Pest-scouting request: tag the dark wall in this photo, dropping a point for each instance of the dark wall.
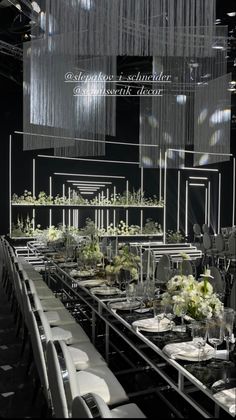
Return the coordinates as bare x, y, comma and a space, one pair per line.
127, 129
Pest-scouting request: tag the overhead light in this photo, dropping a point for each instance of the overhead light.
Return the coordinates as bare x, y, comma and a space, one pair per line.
231, 14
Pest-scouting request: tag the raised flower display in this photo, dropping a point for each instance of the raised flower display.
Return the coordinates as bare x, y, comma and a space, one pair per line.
192, 297
150, 228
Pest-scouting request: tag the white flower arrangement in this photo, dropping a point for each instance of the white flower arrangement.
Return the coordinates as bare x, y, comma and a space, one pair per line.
198, 298
124, 260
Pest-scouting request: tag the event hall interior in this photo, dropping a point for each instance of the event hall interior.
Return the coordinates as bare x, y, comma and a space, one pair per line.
118, 219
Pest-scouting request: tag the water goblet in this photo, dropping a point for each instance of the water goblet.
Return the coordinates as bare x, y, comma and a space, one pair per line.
158, 311
228, 324
199, 336
140, 293
183, 311
215, 337
169, 314
130, 292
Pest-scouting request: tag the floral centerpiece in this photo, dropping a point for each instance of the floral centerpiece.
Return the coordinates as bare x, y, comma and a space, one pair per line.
90, 253
125, 260
196, 298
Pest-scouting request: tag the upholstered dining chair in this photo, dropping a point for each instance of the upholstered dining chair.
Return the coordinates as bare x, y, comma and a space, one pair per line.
163, 270
217, 282
197, 234
66, 383
92, 405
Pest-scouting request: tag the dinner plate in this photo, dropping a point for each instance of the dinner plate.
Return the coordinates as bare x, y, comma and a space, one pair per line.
82, 273
151, 325
69, 265
91, 283
124, 306
105, 290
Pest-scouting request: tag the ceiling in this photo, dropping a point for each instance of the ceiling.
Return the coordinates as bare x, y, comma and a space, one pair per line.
15, 29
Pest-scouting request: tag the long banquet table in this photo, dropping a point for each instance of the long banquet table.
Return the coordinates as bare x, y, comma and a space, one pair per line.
194, 387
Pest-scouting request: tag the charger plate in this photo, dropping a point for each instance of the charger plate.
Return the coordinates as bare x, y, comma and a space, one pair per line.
124, 306
105, 290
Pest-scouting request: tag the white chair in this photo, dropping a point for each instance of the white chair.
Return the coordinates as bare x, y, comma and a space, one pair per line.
72, 333
92, 405
66, 383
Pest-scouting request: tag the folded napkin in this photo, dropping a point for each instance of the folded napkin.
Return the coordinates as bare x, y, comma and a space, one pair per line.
151, 324
228, 398
88, 382
80, 358
187, 351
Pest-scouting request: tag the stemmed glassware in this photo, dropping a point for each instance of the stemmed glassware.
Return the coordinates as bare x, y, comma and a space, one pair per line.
158, 311
215, 337
228, 324
199, 335
182, 315
169, 314
140, 294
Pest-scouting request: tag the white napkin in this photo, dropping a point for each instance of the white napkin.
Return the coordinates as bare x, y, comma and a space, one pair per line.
151, 324
187, 351
228, 398
80, 358
88, 382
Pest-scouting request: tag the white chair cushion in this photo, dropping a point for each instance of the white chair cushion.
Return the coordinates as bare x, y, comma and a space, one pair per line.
52, 317
94, 357
88, 382
127, 411
51, 304
61, 334
79, 357
117, 394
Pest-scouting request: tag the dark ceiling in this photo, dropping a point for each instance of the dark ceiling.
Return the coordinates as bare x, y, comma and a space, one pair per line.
15, 30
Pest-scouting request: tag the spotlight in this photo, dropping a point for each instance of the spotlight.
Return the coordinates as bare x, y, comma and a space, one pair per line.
231, 14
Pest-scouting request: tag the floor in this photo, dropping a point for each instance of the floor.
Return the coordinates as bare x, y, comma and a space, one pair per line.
17, 383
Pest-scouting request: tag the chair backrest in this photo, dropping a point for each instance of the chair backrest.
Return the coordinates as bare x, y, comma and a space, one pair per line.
38, 350
205, 228
232, 244
57, 387
217, 282
187, 268
163, 268
90, 406
207, 243
197, 229
62, 377
220, 242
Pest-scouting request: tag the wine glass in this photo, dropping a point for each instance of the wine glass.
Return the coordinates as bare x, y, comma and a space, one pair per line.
130, 292
228, 324
183, 311
140, 292
215, 337
169, 314
199, 335
158, 311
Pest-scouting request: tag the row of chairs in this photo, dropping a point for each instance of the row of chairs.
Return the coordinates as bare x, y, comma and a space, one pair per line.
219, 251
75, 379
